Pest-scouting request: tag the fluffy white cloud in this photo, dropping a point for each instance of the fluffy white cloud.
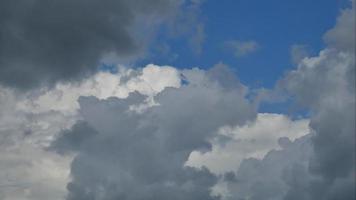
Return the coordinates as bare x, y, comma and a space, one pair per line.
252, 140
149, 81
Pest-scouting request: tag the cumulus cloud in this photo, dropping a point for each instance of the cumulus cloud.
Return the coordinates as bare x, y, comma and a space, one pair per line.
265, 178
342, 36
39, 124
159, 132
149, 81
27, 171
29, 122
327, 79
46, 42
253, 140
30, 173
142, 155
320, 165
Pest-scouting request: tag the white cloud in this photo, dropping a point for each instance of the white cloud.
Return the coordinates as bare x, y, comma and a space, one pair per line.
252, 140
154, 79
29, 173
149, 81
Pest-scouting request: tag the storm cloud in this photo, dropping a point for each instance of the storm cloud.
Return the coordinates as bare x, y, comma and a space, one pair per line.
42, 42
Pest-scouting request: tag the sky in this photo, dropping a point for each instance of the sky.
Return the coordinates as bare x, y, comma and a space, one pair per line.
274, 25
177, 99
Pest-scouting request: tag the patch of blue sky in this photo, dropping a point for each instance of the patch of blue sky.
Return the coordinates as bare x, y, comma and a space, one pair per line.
275, 25
105, 67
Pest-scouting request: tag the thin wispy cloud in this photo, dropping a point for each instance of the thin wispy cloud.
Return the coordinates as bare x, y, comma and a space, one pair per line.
298, 52
241, 48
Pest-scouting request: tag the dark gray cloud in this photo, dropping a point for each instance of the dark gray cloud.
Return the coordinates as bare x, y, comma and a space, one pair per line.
324, 85
49, 41
137, 156
72, 140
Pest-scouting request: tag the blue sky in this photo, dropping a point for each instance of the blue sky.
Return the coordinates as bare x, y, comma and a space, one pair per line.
275, 25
